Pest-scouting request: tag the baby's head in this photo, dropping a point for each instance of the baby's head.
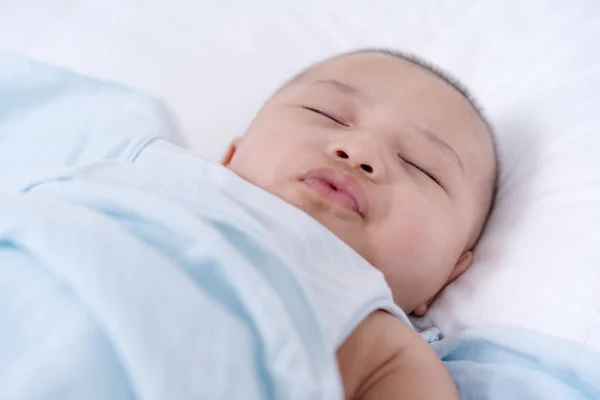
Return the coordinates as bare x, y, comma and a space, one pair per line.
387, 153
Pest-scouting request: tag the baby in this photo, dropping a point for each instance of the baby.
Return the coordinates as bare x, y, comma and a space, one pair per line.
395, 159
355, 196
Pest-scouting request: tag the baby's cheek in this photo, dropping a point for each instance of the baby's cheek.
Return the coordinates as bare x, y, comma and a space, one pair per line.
259, 165
414, 239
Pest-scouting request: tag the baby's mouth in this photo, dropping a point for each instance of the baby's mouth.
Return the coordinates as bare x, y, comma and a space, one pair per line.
338, 187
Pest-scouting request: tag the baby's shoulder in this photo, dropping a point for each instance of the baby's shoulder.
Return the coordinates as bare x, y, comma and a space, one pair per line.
377, 341
384, 349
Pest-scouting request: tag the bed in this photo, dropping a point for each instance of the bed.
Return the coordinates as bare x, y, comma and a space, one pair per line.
534, 67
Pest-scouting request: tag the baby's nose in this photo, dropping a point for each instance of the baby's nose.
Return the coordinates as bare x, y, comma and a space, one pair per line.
358, 153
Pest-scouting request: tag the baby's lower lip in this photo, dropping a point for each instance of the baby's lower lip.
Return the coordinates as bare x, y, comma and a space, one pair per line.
326, 190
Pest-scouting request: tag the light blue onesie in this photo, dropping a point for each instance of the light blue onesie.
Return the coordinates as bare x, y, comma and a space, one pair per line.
169, 277
130, 268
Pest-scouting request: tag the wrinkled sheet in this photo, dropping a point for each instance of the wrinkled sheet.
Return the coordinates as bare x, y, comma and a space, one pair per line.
499, 362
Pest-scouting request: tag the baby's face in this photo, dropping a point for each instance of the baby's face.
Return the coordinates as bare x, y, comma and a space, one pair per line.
387, 156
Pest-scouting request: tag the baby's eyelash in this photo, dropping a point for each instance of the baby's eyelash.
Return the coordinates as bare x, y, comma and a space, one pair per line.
432, 177
326, 115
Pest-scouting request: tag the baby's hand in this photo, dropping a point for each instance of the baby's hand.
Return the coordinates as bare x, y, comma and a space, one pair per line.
385, 359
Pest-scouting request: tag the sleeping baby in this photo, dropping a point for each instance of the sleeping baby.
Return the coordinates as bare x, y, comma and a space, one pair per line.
394, 158
355, 196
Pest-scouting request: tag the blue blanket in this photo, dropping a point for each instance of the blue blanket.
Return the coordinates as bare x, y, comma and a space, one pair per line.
498, 362
135, 278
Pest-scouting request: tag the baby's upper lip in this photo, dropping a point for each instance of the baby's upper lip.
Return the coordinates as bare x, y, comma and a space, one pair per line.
342, 181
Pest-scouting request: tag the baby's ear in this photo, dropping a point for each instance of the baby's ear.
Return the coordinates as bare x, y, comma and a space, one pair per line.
463, 263
230, 152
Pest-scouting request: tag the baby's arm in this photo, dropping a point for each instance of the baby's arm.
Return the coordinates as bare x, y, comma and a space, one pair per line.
385, 359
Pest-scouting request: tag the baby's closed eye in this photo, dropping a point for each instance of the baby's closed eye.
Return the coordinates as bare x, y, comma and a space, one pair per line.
422, 170
328, 115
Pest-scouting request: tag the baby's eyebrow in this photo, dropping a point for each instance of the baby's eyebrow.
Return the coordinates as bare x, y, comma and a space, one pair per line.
442, 145
342, 87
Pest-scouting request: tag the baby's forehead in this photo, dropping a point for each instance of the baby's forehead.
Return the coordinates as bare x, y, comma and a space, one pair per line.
382, 79
365, 65
402, 80
397, 71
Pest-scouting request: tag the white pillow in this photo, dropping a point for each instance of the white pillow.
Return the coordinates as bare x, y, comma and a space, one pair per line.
533, 65
537, 70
